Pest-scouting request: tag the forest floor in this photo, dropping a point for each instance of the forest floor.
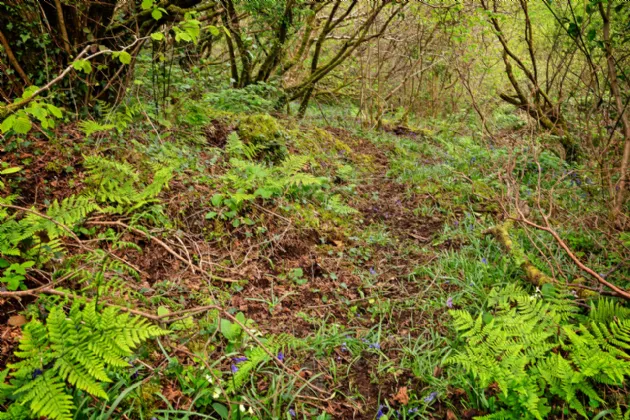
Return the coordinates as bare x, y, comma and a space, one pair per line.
347, 274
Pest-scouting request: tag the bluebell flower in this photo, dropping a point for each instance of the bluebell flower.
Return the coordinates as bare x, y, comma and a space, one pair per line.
382, 410
430, 397
376, 346
344, 347
456, 223
602, 275
234, 368
484, 260
412, 410
449, 302
372, 271
36, 373
134, 375
281, 356
240, 359
291, 412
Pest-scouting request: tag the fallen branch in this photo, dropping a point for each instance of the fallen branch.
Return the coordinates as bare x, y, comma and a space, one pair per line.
620, 292
533, 274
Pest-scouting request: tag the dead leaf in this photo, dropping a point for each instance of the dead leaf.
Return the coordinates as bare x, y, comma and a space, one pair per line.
450, 415
338, 243
17, 320
437, 371
401, 396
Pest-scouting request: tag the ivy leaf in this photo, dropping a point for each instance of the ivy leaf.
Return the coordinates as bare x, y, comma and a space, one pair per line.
124, 57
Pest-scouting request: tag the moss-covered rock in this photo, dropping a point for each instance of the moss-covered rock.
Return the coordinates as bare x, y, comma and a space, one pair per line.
266, 134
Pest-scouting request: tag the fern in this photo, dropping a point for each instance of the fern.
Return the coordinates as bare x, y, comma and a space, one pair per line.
119, 184
235, 147
90, 127
74, 350
535, 347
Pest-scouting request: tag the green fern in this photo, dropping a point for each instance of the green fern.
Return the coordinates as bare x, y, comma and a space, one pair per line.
90, 127
534, 347
119, 184
73, 350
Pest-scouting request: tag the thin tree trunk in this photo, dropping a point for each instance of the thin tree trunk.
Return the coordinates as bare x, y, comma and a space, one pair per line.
615, 91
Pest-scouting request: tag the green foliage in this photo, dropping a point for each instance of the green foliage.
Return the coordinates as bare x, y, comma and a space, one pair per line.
246, 181
20, 121
263, 132
119, 184
538, 347
72, 350
258, 97
35, 234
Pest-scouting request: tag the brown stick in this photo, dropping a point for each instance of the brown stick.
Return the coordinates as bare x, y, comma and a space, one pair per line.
62, 27
12, 59
620, 292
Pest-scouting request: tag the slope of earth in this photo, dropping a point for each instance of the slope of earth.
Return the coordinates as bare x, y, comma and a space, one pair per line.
302, 269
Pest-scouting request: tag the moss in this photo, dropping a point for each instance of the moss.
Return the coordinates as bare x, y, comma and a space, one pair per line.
264, 131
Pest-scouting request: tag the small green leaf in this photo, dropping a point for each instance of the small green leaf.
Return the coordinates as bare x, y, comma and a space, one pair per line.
214, 30
211, 215
7, 124
163, 311
221, 410
124, 57
157, 36
22, 124
54, 110
147, 4
217, 200
156, 14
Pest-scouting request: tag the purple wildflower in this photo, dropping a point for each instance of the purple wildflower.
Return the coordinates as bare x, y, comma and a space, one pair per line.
412, 410
240, 359
484, 260
234, 368
430, 397
36, 373
134, 375
344, 347
449, 302
376, 346
281, 356
381, 411
456, 223
372, 271
291, 412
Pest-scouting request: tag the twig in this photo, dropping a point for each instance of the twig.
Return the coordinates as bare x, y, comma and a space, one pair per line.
620, 292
